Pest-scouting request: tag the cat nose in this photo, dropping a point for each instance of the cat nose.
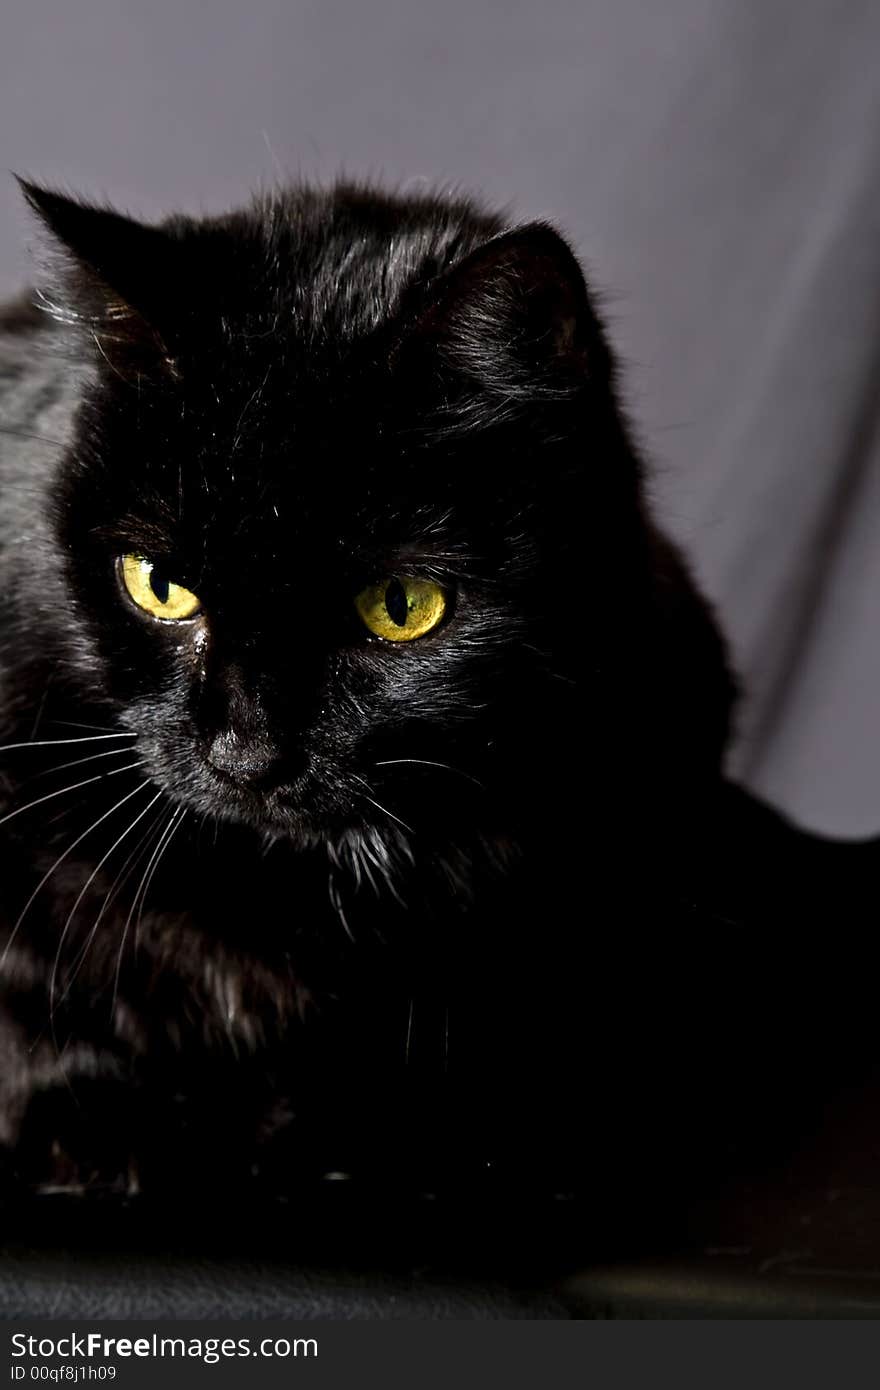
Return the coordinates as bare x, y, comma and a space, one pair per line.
247, 760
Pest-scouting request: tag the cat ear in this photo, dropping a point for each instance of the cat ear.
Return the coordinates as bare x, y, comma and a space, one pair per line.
511, 325
113, 275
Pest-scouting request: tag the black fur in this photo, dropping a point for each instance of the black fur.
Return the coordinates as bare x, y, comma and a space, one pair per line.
328, 901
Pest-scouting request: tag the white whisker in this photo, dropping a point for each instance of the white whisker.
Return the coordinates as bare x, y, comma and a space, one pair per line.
99, 777
157, 849
337, 906
81, 894
372, 882
78, 762
356, 866
58, 862
427, 762
173, 826
144, 845
75, 724
124, 874
41, 707
369, 847
54, 742
409, 1024
384, 809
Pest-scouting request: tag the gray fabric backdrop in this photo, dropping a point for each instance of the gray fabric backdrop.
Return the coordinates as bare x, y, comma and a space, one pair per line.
716, 164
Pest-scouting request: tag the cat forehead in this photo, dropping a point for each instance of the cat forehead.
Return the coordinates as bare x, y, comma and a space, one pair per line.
277, 410
313, 462
310, 263
247, 507
309, 442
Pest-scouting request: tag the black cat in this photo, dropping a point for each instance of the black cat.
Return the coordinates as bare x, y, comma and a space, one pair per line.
362, 803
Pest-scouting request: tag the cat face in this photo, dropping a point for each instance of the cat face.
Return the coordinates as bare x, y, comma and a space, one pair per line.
333, 613
302, 524
351, 526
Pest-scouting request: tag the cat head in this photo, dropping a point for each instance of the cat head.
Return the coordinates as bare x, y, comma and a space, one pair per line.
352, 527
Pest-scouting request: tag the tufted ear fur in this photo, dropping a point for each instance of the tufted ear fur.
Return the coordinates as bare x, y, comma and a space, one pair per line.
509, 326
114, 276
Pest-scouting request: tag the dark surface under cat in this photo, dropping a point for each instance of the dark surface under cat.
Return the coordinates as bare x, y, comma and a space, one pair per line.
362, 807
800, 1241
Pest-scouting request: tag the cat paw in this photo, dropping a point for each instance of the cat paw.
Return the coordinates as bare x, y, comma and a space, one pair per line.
77, 1146
60, 1171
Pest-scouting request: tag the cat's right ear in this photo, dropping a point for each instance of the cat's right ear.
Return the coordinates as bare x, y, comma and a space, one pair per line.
509, 332
111, 276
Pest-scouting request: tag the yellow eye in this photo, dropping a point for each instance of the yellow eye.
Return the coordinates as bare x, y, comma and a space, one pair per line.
152, 591
401, 609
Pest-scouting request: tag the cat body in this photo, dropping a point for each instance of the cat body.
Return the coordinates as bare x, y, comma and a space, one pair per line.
279, 893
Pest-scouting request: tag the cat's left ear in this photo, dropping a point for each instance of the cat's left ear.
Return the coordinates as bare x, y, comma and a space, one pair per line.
511, 324
114, 273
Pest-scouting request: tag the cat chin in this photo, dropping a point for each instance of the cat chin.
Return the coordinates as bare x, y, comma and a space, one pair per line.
340, 832
273, 823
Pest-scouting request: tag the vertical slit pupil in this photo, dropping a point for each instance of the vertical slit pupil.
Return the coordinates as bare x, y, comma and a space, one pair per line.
160, 586
396, 604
